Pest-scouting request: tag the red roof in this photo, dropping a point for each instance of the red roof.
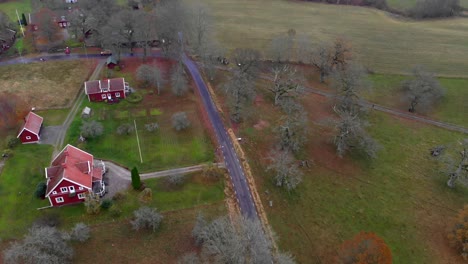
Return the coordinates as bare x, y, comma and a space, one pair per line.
72, 164
32, 123
109, 85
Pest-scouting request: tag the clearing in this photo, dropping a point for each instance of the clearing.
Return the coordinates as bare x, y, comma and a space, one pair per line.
382, 43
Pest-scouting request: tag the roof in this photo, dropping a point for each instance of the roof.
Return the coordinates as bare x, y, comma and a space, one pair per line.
7, 34
33, 123
72, 164
109, 85
110, 60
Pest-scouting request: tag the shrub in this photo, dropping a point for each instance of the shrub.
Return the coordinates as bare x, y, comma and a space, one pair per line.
125, 129
134, 98
12, 142
180, 121
175, 180
151, 127
92, 203
364, 248
106, 204
119, 196
80, 232
458, 237
212, 171
40, 191
146, 195
136, 180
435, 8
91, 129
146, 218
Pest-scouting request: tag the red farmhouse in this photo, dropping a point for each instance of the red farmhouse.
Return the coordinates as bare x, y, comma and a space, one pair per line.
98, 91
29, 133
72, 174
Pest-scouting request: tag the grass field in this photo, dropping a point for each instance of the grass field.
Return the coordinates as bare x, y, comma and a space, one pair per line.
45, 84
381, 42
162, 149
10, 7
54, 117
401, 196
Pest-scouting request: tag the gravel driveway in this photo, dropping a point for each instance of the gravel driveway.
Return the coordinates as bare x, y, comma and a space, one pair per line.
116, 178
49, 134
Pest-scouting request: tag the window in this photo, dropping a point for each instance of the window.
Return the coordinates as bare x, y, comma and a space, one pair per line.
117, 94
64, 189
81, 196
54, 192
71, 188
103, 96
80, 188
59, 199
28, 137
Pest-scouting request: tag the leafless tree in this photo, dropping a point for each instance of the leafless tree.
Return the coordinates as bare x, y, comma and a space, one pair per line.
175, 180
179, 80
304, 49
92, 203
247, 62
180, 121
172, 18
80, 23
80, 232
42, 244
151, 75
327, 57
281, 48
200, 31
351, 134
292, 129
241, 92
286, 83
285, 168
146, 218
91, 129
349, 83
320, 57
124, 23
456, 163
146, 30
47, 28
423, 90
125, 129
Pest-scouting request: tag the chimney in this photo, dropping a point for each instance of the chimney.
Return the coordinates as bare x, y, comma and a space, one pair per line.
108, 84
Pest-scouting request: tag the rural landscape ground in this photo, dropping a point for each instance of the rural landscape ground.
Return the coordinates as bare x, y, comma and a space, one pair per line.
401, 195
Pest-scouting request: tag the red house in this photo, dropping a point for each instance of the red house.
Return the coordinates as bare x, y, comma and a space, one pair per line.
31, 129
73, 173
110, 89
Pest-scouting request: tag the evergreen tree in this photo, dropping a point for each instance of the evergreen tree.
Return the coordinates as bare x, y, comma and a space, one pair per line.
136, 181
23, 20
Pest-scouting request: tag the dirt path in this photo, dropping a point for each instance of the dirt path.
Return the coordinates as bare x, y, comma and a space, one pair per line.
74, 109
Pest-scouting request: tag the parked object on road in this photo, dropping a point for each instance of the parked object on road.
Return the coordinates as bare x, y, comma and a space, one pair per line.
67, 50
106, 52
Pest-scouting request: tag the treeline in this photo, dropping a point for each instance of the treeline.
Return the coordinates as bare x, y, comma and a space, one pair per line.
423, 8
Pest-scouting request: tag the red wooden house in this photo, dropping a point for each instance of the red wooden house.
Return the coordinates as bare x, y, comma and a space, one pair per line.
31, 129
102, 90
73, 173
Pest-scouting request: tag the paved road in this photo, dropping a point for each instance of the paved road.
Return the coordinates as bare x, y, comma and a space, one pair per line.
233, 165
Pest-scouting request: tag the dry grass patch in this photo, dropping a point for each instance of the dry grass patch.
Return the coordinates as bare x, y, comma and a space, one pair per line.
46, 84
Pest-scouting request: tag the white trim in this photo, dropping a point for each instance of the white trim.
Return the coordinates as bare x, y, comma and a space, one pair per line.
79, 184
22, 130
57, 199
103, 96
81, 196
54, 192
89, 168
71, 188
46, 175
80, 188
50, 201
54, 187
117, 94
86, 88
28, 137
63, 191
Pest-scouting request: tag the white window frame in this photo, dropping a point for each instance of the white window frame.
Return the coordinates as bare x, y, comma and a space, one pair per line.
54, 192
80, 188
71, 188
28, 137
59, 200
64, 189
103, 96
117, 94
81, 196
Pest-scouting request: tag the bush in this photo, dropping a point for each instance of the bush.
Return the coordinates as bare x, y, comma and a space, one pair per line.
134, 98
180, 121
106, 204
80, 233
146, 195
91, 129
435, 8
146, 218
40, 191
175, 180
212, 171
458, 237
151, 127
125, 129
92, 203
364, 248
12, 142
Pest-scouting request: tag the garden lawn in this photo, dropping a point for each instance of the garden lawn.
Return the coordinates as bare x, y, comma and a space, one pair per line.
162, 149
54, 117
452, 108
381, 42
10, 7
18, 181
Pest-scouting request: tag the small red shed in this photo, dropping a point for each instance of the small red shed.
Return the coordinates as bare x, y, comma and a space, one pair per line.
110, 89
72, 174
31, 129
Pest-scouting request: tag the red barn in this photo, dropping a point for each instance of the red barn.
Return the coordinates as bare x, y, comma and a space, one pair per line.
29, 133
110, 89
73, 173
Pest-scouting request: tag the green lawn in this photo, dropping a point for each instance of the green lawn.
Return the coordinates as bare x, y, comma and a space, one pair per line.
19, 179
10, 7
452, 109
161, 149
54, 117
382, 43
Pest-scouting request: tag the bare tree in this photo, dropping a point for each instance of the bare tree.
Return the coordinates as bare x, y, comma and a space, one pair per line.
180, 121
200, 27
241, 92
172, 18
247, 62
80, 232
281, 47
91, 129
179, 80
42, 244
125, 129
146, 218
285, 168
456, 163
286, 83
80, 22
349, 83
124, 23
423, 90
146, 30
151, 76
327, 57
341, 53
304, 49
92, 203
5, 22
351, 134
47, 28
292, 130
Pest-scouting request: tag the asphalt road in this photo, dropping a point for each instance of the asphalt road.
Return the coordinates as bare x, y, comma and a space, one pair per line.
233, 165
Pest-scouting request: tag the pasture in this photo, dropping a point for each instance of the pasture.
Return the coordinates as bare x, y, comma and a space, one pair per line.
381, 42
